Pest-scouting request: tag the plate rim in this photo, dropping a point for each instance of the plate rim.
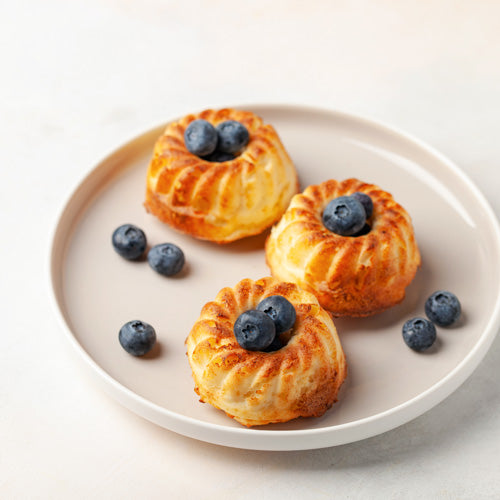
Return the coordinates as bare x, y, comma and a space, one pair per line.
258, 439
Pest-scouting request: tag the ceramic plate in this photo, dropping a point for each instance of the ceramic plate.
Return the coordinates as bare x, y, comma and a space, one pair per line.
96, 291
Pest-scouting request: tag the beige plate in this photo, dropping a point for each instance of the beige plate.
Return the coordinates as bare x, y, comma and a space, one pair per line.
388, 384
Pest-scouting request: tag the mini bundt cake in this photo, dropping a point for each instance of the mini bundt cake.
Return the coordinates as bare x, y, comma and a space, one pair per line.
356, 275
301, 379
219, 200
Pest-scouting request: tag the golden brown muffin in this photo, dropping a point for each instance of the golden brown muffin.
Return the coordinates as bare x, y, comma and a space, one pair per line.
220, 202
301, 379
350, 275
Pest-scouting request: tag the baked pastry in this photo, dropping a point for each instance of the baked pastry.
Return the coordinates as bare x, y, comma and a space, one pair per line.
350, 275
301, 379
220, 201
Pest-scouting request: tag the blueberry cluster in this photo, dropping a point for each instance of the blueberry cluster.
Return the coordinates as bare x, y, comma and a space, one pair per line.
138, 337
130, 242
259, 329
347, 215
217, 144
441, 308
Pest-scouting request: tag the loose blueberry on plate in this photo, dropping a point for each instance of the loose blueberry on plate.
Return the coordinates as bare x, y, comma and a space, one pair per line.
344, 215
366, 201
280, 310
129, 241
233, 136
137, 337
200, 138
254, 330
419, 333
219, 157
166, 258
443, 308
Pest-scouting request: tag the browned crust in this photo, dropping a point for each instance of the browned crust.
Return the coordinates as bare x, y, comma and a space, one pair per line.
351, 276
188, 193
195, 224
313, 357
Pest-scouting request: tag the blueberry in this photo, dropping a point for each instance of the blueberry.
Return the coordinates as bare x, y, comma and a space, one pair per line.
166, 258
200, 138
233, 136
366, 201
419, 333
280, 310
364, 230
443, 308
129, 241
254, 330
219, 156
137, 337
276, 345
344, 215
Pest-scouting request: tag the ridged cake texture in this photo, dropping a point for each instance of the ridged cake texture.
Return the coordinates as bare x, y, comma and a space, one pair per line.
301, 379
221, 202
350, 275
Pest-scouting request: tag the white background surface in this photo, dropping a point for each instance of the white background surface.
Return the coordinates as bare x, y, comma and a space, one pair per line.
79, 78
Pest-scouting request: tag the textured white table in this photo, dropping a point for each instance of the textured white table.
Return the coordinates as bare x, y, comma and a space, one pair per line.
79, 78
